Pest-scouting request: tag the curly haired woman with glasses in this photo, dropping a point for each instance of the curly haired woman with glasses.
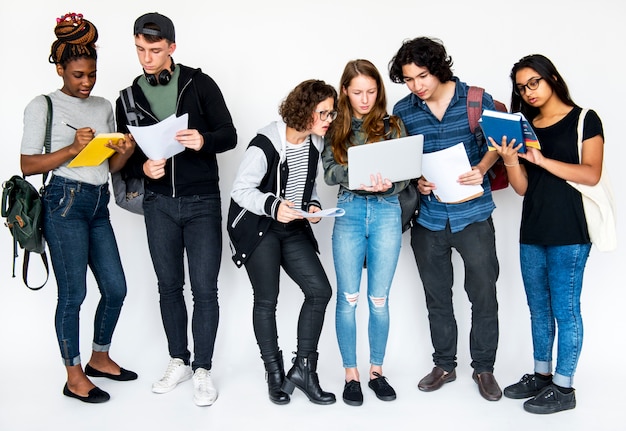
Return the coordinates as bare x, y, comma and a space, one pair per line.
273, 200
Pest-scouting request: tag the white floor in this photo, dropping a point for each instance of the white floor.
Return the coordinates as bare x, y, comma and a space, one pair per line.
32, 376
31, 399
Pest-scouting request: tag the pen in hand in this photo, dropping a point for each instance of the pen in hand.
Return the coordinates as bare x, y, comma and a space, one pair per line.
71, 127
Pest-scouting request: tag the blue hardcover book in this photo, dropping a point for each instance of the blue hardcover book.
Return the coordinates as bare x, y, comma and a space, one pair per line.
496, 124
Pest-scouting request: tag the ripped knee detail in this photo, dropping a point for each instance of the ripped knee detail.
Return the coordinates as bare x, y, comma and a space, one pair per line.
378, 302
351, 298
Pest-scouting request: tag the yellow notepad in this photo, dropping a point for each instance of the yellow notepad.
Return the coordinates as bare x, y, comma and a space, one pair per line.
96, 152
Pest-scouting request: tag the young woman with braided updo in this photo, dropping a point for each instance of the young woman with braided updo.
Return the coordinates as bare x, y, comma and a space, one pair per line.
77, 228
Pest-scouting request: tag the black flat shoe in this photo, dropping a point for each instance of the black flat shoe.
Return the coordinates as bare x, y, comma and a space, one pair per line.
382, 388
352, 394
124, 376
96, 395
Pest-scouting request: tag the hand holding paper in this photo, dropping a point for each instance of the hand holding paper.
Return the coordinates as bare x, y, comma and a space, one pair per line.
329, 212
443, 168
190, 138
158, 141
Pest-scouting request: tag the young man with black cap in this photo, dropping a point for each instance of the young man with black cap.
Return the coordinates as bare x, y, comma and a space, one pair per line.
181, 204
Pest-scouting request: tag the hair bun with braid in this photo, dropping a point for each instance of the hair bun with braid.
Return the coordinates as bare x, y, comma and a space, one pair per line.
76, 37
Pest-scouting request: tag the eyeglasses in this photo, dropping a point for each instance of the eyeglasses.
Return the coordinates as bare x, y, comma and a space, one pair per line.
532, 84
327, 115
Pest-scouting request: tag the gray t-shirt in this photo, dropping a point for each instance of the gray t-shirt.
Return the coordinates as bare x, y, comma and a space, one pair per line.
95, 112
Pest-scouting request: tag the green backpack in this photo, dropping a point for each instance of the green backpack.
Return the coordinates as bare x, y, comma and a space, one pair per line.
23, 210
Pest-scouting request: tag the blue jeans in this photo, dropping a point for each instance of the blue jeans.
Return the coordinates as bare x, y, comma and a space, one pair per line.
370, 229
79, 235
433, 253
191, 225
289, 246
553, 279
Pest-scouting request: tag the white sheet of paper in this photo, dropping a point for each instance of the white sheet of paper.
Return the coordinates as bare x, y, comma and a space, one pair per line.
443, 169
330, 212
158, 140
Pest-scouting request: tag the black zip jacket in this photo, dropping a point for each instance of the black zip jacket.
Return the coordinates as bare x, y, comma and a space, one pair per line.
190, 172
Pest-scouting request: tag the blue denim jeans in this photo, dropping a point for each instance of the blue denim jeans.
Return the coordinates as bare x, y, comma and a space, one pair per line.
288, 246
190, 225
370, 230
553, 279
433, 254
78, 232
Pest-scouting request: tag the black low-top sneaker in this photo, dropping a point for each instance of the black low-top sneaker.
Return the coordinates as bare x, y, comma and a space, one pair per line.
551, 400
382, 388
528, 386
352, 394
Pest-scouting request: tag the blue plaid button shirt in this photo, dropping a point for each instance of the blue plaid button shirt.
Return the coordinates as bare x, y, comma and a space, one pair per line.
439, 135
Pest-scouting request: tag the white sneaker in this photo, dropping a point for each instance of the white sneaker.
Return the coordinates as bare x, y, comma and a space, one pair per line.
175, 373
204, 392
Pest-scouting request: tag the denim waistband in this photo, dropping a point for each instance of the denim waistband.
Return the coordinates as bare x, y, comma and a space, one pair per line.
348, 194
62, 181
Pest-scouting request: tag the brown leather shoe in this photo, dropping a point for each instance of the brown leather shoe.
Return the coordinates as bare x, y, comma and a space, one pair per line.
435, 379
487, 386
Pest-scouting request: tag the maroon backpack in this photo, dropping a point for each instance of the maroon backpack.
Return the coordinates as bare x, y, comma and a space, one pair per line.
497, 174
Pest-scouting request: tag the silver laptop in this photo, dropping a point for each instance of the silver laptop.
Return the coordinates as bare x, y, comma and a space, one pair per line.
397, 159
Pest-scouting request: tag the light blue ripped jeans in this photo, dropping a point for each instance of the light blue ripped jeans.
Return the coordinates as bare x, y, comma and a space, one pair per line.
370, 229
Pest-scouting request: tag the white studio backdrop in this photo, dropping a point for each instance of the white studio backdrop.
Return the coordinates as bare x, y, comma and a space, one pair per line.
257, 52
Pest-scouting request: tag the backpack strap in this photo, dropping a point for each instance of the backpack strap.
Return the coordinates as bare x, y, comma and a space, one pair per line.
44, 259
128, 101
474, 106
48, 138
387, 126
500, 106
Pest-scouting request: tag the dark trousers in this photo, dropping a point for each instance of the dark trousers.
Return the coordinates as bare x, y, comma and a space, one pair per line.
79, 235
433, 254
188, 225
290, 247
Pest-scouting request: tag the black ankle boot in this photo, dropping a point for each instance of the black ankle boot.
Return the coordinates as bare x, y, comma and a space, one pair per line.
275, 376
303, 375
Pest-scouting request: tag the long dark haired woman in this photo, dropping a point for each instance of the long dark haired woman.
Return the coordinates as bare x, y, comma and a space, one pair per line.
554, 241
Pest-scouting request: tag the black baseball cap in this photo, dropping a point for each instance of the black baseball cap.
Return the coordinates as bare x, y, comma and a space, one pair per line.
164, 23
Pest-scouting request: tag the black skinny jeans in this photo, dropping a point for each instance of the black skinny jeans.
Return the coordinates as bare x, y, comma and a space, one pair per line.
433, 253
289, 246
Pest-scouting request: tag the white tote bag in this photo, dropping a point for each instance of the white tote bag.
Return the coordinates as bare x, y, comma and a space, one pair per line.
598, 203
